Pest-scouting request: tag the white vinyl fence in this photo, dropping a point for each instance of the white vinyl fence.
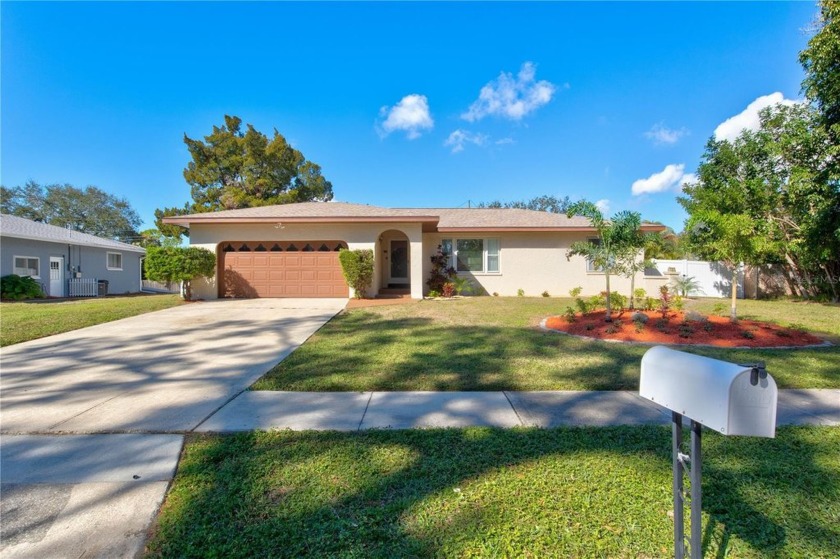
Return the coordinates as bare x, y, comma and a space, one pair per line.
714, 278
160, 287
82, 287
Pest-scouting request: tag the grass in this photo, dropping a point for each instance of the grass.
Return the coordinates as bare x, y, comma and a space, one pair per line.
820, 318
21, 322
478, 492
491, 343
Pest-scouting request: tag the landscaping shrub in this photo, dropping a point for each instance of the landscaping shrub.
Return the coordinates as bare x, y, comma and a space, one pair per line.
448, 289
17, 288
545, 294
357, 267
569, 314
639, 295
618, 302
664, 301
441, 271
462, 285
575, 293
520, 292
179, 264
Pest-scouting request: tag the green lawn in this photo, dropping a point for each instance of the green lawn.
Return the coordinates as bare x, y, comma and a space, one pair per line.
21, 322
481, 492
492, 343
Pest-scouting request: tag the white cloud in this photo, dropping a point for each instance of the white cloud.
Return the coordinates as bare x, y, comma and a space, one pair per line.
666, 179
511, 97
504, 141
603, 205
662, 135
748, 119
458, 138
411, 115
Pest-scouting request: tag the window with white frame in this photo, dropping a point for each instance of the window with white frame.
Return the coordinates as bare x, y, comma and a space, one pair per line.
28, 266
590, 266
114, 261
473, 255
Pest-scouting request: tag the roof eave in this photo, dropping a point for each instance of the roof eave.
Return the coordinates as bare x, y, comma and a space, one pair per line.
187, 221
127, 248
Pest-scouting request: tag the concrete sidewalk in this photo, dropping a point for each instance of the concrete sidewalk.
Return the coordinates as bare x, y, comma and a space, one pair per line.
351, 411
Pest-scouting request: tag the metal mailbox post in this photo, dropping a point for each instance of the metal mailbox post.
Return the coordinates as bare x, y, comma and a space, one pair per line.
729, 398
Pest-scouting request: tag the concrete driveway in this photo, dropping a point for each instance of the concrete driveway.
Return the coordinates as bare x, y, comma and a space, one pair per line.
160, 372
67, 492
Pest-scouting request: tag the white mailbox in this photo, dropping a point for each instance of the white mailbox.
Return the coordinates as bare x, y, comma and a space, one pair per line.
729, 398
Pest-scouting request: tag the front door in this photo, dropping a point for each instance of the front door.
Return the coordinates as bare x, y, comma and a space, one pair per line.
399, 262
56, 276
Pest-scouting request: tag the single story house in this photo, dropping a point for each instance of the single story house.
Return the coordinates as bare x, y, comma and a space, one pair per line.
291, 250
54, 255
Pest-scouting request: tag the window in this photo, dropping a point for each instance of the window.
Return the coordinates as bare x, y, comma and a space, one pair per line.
590, 266
28, 266
114, 261
473, 255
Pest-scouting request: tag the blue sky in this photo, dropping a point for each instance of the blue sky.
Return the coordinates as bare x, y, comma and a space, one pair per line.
403, 105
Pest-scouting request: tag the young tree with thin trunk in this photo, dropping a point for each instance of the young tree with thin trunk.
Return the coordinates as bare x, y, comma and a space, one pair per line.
615, 236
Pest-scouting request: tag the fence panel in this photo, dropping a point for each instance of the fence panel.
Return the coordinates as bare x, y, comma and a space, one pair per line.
82, 287
714, 278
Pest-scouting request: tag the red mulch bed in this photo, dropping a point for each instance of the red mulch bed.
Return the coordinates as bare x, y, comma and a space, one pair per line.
716, 330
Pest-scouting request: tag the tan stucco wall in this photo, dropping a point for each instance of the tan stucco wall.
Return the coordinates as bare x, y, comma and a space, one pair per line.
356, 235
534, 262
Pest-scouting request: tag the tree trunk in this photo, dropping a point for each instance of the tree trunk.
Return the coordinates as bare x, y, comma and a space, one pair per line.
609, 308
187, 291
733, 315
632, 290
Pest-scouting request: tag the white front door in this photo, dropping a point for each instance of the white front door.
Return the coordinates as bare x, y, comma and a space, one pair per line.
56, 276
399, 262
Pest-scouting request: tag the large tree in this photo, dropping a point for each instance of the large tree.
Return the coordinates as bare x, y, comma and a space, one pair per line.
770, 196
234, 168
616, 237
89, 210
821, 60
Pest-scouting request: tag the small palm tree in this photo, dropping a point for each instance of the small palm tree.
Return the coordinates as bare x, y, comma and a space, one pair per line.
615, 237
686, 285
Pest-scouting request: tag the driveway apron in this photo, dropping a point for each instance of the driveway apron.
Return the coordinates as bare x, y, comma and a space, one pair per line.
160, 372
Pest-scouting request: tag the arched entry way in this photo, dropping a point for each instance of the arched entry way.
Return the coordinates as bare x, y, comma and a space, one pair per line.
395, 260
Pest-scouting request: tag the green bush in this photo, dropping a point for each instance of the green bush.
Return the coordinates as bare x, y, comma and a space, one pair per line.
545, 294
19, 287
569, 314
520, 292
357, 267
575, 293
462, 285
180, 264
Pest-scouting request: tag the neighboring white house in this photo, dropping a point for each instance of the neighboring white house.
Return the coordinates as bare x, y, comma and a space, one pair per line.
291, 250
54, 255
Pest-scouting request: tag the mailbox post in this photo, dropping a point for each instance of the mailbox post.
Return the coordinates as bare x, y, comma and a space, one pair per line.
729, 398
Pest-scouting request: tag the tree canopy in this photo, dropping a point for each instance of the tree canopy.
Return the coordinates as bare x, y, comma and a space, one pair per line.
89, 210
232, 169
546, 203
182, 264
821, 60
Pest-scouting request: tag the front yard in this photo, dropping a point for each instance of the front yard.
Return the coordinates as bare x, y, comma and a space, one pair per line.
490, 343
570, 492
21, 322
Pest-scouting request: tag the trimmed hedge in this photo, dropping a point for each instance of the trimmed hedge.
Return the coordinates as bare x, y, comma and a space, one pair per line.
357, 267
19, 287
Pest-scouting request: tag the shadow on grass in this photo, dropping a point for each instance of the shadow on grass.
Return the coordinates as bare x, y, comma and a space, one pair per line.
488, 492
362, 351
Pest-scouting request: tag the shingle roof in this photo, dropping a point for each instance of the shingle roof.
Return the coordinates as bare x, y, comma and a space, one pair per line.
445, 219
22, 228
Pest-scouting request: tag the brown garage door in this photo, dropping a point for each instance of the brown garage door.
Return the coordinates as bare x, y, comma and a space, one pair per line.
281, 269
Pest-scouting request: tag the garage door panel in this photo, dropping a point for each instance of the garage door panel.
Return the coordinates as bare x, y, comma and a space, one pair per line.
250, 271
